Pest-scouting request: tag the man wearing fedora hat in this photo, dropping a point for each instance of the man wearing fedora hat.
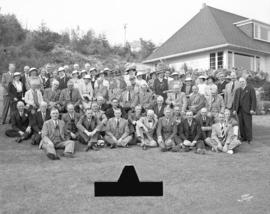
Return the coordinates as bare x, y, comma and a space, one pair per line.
62, 78
229, 91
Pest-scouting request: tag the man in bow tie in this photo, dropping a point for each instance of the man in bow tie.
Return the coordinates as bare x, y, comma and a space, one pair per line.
54, 137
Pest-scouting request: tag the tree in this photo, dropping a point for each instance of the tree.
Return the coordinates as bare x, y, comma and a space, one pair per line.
11, 31
44, 40
147, 47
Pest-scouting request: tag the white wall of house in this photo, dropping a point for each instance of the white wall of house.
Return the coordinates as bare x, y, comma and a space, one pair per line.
267, 64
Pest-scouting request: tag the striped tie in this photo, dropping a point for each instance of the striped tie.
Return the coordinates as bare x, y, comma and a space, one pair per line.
222, 133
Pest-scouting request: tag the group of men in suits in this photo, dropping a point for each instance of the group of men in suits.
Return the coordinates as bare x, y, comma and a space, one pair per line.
174, 114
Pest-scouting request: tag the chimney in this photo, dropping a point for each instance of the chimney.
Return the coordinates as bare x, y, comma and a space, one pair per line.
204, 5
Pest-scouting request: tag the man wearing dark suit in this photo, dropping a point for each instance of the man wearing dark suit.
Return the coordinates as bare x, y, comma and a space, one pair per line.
71, 119
190, 134
25, 76
160, 85
245, 106
206, 123
221, 84
159, 107
63, 79
187, 86
6, 79
20, 124
88, 127
103, 106
37, 120
115, 105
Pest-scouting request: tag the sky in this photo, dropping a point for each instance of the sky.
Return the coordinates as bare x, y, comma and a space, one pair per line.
148, 19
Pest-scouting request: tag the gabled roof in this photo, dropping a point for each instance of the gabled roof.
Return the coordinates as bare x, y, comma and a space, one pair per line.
210, 27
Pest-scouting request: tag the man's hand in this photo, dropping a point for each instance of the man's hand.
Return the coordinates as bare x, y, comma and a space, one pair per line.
193, 143
73, 136
160, 140
28, 129
15, 99
252, 112
234, 112
21, 133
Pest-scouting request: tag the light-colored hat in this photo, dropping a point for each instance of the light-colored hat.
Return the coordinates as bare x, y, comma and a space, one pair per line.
32, 69
74, 72
106, 69
188, 79
202, 77
92, 69
140, 73
17, 74
61, 69
175, 74
87, 76
83, 71
131, 67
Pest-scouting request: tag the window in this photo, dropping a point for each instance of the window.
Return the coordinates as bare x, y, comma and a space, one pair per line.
230, 60
262, 32
258, 63
243, 61
220, 59
213, 61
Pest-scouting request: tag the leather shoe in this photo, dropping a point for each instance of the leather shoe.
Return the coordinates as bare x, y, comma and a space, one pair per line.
113, 146
53, 156
68, 155
19, 140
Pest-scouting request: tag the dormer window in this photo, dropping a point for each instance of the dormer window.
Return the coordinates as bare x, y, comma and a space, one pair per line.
262, 32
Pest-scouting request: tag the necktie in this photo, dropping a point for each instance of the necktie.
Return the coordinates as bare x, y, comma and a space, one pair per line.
129, 96
56, 124
117, 123
222, 133
232, 87
35, 98
70, 95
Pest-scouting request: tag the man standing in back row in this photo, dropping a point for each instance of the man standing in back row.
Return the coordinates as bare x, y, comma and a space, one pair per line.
244, 106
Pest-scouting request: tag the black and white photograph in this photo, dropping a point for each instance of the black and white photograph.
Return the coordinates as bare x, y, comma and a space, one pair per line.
134, 107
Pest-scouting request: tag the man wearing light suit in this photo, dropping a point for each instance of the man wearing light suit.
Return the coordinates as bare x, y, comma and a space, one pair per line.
117, 131
196, 100
6, 79
230, 91
54, 137
223, 136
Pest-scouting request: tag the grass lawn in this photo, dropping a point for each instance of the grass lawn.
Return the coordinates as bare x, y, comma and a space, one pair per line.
213, 183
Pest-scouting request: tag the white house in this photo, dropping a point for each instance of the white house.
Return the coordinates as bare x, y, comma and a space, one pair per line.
215, 39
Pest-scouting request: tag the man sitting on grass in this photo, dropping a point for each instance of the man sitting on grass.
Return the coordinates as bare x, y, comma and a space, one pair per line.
54, 137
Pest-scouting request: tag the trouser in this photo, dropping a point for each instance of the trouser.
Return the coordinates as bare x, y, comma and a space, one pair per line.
84, 139
199, 144
6, 105
168, 143
245, 125
36, 138
14, 133
234, 142
122, 143
146, 138
49, 147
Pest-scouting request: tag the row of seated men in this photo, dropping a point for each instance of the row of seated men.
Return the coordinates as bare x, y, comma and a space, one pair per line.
95, 128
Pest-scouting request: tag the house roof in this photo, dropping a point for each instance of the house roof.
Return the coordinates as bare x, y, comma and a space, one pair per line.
210, 27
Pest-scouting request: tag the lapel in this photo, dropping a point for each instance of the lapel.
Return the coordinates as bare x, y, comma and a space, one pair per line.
244, 92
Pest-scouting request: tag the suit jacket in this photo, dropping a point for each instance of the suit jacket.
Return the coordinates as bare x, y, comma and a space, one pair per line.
229, 94
36, 120
24, 80
166, 128
160, 87
19, 123
65, 96
159, 113
145, 99
215, 105
63, 82
208, 122
12, 92
221, 87
46, 82
70, 126
245, 100
196, 102
117, 131
110, 112
178, 100
6, 79
186, 90
217, 133
187, 132
48, 131
151, 127
51, 95
124, 100
85, 125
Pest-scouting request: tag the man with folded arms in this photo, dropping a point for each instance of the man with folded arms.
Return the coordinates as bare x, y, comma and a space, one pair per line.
117, 131
190, 134
89, 127
54, 137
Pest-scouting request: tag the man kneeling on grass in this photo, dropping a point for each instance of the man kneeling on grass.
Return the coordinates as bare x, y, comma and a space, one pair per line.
54, 137
117, 131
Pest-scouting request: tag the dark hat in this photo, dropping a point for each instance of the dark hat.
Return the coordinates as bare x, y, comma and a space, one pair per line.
211, 77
